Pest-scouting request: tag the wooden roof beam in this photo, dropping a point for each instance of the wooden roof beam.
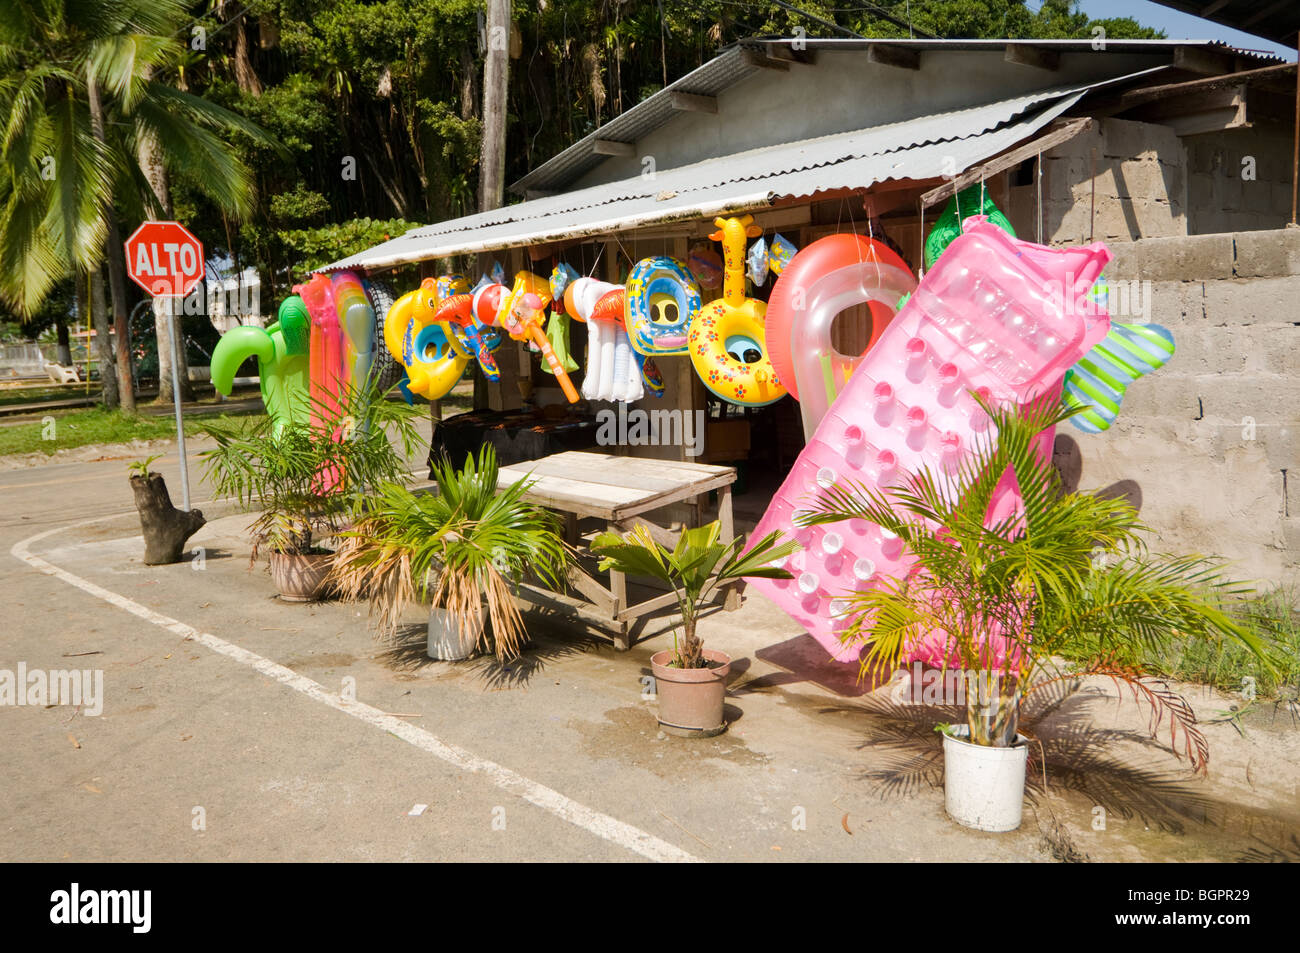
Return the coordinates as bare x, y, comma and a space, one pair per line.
611, 147
1035, 147
692, 102
1026, 54
896, 56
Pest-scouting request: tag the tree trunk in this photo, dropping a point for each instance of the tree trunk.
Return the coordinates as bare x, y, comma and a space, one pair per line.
116, 259
165, 528
245, 75
103, 342
496, 74
63, 350
149, 154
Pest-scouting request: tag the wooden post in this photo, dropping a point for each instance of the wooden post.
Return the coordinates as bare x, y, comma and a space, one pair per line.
496, 74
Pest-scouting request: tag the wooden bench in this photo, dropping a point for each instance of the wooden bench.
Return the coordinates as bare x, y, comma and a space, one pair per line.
618, 491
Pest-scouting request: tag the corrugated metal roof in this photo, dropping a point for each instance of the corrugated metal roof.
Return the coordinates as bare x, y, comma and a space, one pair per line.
1278, 21
722, 72
731, 66
921, 148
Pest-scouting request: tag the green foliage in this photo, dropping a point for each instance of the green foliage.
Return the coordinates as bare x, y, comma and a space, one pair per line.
58, 180
476, 541
1230, 666
308, 480
692, 569
315, 247
140, 468
1065, 577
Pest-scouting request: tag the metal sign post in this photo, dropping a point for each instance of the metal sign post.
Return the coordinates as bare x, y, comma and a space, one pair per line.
176, 398
167, 261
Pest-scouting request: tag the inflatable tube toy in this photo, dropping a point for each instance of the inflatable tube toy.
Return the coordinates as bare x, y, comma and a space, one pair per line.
511, 313
1099, 380
829, 276
427, 348
524, 323
612, 371
662, 299
706, 265
727, 338
283, 365
328, 375
651, 377
357, 320
478, 340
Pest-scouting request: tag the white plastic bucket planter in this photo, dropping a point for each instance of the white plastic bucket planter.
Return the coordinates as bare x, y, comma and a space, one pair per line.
446, 641
983, 788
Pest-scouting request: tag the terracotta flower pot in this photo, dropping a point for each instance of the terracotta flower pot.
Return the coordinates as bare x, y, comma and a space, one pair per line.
690, 699
300, 578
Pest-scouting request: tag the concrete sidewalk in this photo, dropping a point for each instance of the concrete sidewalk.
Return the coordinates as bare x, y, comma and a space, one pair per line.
554, 757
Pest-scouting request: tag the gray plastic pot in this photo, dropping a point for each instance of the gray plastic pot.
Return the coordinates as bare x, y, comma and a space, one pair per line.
446, 642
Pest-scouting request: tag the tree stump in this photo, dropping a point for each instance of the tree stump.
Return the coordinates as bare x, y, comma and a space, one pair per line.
165, 528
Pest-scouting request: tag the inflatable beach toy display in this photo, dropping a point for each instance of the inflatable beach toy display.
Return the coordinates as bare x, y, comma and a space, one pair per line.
727, 339
662, 299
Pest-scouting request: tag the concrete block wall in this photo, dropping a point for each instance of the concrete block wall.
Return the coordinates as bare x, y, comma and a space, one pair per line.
1139, 189
1208, 444
1239, 179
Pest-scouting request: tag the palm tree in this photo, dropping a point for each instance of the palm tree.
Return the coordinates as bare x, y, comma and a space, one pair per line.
1062, 587
82, 99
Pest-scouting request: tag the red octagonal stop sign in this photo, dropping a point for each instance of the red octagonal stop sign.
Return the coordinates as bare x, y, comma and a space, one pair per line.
164, 259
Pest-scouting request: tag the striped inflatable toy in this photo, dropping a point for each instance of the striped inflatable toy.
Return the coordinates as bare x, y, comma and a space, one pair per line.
1100, 378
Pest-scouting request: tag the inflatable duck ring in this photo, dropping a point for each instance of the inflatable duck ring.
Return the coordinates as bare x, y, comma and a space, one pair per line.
434, 359
727, 341
662, 301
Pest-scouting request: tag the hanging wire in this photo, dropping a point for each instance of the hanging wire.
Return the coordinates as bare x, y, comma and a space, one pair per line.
1038, 182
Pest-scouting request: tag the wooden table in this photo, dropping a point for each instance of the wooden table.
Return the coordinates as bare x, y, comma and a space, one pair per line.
619, 491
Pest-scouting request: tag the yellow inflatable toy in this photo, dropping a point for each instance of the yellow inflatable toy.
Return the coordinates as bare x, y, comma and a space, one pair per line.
429, 350
727, 339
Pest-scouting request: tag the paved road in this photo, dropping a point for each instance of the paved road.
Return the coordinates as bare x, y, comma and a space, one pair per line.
225, 736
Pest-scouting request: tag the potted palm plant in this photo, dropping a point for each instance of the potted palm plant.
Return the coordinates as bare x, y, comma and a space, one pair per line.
691, 680
1064, 587
461, 548
309, 479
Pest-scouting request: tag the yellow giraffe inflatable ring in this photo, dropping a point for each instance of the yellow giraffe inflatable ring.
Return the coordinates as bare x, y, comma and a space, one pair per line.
727, 340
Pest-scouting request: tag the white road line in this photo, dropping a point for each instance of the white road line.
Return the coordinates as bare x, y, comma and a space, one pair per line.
592, 821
